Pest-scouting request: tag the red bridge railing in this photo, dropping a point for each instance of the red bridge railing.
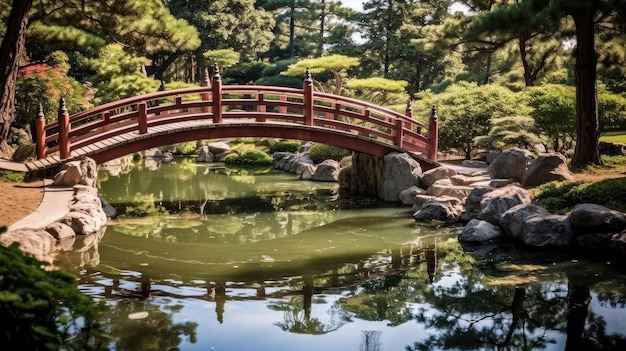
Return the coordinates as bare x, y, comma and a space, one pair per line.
217, 104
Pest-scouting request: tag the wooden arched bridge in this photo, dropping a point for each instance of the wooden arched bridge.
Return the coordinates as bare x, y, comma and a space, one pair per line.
215, 111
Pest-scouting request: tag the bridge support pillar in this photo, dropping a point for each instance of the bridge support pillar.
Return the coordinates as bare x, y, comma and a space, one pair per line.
64, 130
40, 134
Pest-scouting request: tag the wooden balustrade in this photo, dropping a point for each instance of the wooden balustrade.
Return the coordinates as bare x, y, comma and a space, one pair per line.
214, 103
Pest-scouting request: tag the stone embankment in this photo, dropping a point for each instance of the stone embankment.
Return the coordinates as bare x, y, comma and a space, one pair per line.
85, 215
488, 199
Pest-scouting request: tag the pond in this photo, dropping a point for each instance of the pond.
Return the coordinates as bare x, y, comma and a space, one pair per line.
254, 259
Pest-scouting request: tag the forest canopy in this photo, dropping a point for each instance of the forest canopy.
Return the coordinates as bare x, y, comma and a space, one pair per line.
563, 61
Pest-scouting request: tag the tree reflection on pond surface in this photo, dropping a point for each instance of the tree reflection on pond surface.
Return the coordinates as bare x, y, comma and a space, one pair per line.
303, 272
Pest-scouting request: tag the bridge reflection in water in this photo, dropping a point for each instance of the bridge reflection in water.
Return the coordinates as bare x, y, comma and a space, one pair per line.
130, 277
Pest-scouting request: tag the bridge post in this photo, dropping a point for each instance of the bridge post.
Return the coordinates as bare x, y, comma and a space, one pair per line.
260, 107
64, 130
205, 96
399, 132
216, 88
40, 133
142, 117
308, 98
433, 134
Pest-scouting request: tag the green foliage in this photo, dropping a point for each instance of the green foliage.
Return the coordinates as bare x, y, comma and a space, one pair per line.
222, 57
560, 197
145, 205
510, 131
187, 148
118, 75
554, 111
612, 111
378, 90
285, 146
44, 310
9, 176
465, 112
249, 157
321, 152
244, 73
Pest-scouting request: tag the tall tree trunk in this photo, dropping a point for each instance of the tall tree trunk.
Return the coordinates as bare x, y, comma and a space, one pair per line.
10, 52
587, 123
320, 45
292, 29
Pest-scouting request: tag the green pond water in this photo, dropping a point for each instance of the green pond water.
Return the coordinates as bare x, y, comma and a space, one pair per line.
254, 259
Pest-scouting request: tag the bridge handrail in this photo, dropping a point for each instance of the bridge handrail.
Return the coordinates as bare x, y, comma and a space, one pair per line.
315, 109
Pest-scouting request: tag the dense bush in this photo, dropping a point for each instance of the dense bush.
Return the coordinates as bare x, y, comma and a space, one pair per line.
286, 146
44, 310
249, 157
321, 152
560, 197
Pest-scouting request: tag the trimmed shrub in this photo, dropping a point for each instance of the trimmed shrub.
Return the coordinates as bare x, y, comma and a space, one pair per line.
321, 152
286, 146
249, 157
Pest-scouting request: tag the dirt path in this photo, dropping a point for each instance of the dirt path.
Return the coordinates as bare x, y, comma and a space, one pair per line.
17, 200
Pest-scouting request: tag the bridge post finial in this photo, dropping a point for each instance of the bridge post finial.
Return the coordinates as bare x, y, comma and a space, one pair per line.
207, 78
62, 106
308, 79
40, 133
216, 72
433, 134
409, 108
64, 130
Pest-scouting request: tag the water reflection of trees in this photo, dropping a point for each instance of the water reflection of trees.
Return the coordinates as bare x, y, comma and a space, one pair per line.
467, 314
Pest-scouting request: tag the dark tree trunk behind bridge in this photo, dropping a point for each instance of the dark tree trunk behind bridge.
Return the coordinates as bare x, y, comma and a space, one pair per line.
10, 52
587, 124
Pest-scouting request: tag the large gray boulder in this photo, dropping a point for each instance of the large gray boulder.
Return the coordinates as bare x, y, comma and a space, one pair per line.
444, 187
511, 163
84, 172
327, 171
537, 227
432, 175
218, 147
407, 196
546, 168
496, 202
473, 201
281, 159
85, 215
441, 209
593, 218
477, 231
37, 243
205, 155
401, 172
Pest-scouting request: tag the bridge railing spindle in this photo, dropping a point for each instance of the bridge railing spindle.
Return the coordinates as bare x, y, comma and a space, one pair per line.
40, 133
64, 130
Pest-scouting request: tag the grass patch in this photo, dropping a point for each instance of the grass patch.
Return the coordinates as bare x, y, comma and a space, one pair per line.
15, 177
618, 137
